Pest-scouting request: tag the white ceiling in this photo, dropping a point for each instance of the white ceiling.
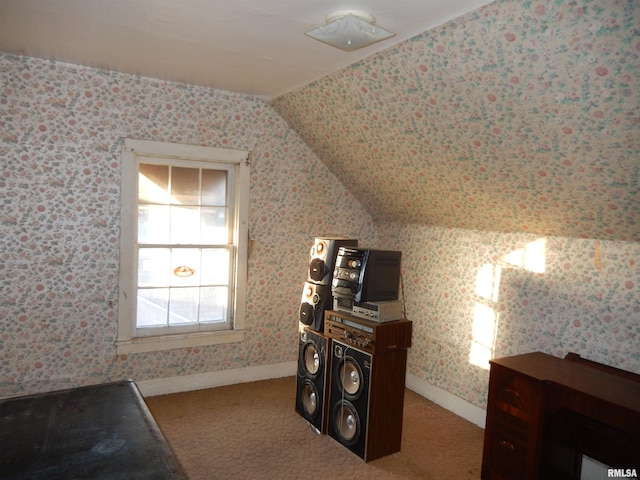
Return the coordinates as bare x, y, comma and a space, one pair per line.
256, 47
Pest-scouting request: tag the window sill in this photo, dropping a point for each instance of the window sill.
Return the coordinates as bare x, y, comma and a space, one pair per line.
168, 342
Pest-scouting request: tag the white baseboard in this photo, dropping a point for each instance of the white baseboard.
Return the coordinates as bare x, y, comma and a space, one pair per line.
198, 381
437, 395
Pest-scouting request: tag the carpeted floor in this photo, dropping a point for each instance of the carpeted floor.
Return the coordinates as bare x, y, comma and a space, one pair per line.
251, 431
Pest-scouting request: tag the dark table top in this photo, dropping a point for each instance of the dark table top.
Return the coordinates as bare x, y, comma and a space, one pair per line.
99, 432
598, 384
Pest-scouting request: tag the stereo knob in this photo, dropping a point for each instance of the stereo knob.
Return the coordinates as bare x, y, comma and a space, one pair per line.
353, 276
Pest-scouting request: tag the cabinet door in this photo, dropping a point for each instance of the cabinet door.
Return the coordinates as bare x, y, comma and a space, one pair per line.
513, 429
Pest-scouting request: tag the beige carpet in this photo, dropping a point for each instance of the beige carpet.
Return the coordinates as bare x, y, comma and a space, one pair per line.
251, 431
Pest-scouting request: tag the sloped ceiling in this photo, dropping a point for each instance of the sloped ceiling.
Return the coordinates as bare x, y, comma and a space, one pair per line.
520, 116
255, 47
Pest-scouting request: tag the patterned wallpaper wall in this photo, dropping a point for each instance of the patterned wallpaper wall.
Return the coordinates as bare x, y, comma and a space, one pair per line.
522, 116
61, 131
473, 295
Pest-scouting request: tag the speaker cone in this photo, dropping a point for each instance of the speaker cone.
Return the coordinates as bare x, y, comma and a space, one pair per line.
309, 396
346, 422
306, 313
317, 269
350, 378
311, 359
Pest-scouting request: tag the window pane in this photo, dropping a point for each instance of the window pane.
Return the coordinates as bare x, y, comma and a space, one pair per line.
215, 266
183, 305
153, 224
185, 186
153, 267
185, 267
213, 304
153, 183
214, 187
185, 225
214, 226
152, 307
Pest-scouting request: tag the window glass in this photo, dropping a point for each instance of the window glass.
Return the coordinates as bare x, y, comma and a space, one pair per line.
214, 188
185, 186
153, 184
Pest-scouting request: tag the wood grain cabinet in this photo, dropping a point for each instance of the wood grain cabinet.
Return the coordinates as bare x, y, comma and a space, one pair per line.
513, 422
544, 413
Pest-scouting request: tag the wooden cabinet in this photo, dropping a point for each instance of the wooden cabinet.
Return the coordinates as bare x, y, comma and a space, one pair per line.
366, 394
513, 420
544, 413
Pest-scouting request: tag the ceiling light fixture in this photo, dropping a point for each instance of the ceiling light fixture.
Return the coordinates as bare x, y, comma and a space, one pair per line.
349, 30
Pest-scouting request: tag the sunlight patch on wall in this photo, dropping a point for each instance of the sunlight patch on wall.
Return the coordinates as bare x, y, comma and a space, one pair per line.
532, 257
488, 282
485, 316
484, 330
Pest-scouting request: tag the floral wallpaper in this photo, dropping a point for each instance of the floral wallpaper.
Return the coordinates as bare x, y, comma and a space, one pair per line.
475, 295
490, 151
522, 116
501, 153
61, 132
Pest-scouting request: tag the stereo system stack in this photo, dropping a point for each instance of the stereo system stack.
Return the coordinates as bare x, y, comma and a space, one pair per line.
352, 347
316, 295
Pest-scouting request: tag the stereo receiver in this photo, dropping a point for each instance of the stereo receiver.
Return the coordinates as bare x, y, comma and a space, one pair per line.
374, 311
371, 337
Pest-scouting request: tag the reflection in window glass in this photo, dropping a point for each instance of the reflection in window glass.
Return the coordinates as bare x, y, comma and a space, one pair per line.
185, 267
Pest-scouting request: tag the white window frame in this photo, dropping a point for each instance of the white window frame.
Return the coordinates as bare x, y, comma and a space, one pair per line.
134, 151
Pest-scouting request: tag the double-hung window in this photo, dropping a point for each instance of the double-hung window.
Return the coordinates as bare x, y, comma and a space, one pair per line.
183, 246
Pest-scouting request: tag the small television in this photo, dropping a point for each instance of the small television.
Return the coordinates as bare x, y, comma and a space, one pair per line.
366, 275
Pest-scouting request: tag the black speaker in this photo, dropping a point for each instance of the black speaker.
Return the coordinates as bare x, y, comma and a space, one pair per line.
349, 397
311, 380
322, 258
366, 398
315, 300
